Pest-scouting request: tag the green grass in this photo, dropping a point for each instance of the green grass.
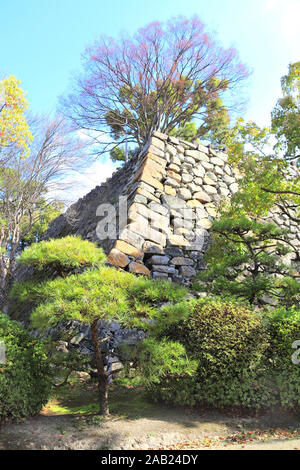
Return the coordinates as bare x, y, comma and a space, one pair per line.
81, 398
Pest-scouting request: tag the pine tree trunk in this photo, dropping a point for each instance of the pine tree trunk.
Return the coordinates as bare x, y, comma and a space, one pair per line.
102, 377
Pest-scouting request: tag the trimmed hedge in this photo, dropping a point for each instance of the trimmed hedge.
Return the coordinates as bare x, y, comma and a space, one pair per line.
244, 357
284, 329
24, 378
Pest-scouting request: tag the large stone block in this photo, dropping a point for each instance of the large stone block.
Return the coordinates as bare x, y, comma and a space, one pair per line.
173, 202
148, 213
181, 261
161, 161
160, 135
128, 249
197, 155
164, 269
187, 271
148, 233
169, 190
139, 268
147, 194
117, 258
158, 143
202, 196
132, 238
157, 259
146, 178
152, 248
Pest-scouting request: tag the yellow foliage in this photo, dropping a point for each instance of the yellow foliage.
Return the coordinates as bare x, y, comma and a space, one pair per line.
14, 129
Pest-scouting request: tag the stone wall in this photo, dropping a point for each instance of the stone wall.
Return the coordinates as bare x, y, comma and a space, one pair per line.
157, 209
165, 200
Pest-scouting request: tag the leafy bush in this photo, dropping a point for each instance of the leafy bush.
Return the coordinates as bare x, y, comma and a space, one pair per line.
62, 255
24, 378
228, 341
244, 357
284, 329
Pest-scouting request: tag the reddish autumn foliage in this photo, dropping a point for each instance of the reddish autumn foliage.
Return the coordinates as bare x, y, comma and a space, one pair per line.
162, 77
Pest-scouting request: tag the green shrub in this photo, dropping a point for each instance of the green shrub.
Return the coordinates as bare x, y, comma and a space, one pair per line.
244, 357
228, 340
62, 255
24, 378
284, 329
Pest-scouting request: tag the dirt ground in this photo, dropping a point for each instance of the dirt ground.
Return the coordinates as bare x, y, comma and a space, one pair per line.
69, 422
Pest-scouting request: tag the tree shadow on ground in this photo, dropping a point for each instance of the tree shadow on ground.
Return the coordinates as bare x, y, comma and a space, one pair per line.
70, 420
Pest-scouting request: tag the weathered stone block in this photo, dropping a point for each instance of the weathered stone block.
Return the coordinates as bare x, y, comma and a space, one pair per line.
139, 268
160, 161
184, 193
209, 180
174, 167
202, 197
186, 178
117, 258
152, 248
147, 232
199, 171
147, 194
172, 182
234, 187
128, 249
194, 202
132, 238
205, 223
187, 271
177, 240
146, 178
158, 143
157, 207
156, 259
173, 251
155, 151
169, 190
181, 261
157, 275
164, 269
172, 150
217, 161
203, 149
173, 202
173, 175
198, 156
209, 189
160, 135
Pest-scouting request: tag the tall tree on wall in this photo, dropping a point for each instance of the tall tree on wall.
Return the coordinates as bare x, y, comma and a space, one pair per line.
286, 114
271, 175
159, 79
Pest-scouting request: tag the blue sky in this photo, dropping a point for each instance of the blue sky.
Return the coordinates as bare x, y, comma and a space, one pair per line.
42, 42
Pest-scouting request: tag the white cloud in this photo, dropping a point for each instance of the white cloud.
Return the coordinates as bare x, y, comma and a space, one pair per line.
79, 184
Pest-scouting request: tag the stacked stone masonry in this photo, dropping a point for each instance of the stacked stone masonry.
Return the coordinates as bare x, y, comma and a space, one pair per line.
165, 200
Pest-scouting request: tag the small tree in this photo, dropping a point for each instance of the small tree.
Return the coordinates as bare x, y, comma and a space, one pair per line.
97, 295
24, 184
245, 259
